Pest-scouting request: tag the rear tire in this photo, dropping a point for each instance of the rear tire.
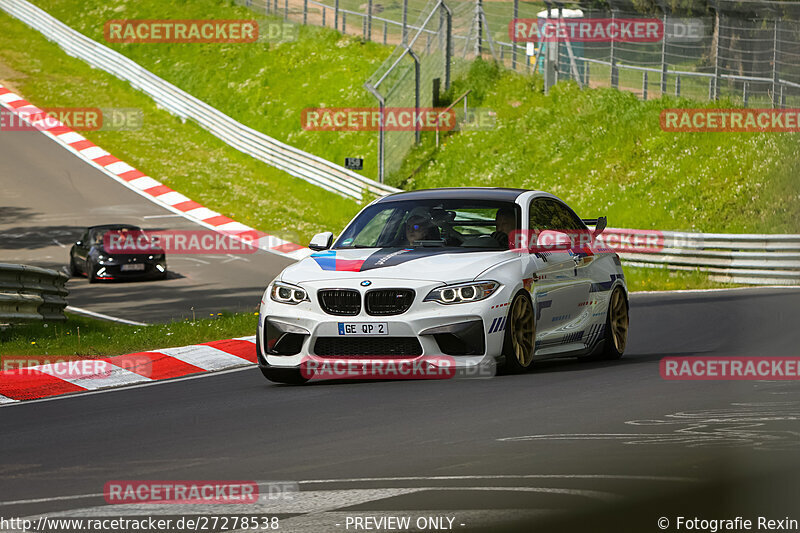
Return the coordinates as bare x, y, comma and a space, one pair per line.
520, 335
617, 320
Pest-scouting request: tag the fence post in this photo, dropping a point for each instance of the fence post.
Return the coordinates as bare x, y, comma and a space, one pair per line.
513, 33
613, 58
305, 12
775, 73
381, 132
479, 26
417, 73
664, 55
678, 85
285, 9
558, 45
745, 94
385, 30
369, 20
323, 16
405, 21
344, 22
644, 86
448, 52
336, 15
715, 94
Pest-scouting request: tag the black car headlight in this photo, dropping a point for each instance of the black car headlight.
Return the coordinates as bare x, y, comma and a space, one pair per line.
462, 292
287, 294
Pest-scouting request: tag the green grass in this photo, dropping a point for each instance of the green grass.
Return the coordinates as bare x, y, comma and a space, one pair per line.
264, 85
100, 338
604, 153
661, 279
179, 154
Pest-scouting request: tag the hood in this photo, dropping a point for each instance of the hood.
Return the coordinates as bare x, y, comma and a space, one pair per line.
433, 264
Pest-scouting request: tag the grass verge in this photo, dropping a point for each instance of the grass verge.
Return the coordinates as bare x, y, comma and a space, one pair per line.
604, 153
179, 154
264, 85
93, 338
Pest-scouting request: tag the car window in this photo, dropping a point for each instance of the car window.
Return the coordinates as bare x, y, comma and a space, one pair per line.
548, 214
442, 223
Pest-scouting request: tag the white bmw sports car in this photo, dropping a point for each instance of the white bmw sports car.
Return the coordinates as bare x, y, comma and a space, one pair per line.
477, 277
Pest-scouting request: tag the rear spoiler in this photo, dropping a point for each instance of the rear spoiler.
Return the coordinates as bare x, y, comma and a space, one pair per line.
599, 224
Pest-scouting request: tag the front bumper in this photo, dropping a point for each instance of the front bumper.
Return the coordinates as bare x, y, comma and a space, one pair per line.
466, 334
111, 271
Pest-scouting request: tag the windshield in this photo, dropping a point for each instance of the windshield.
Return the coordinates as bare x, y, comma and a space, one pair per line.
450, 223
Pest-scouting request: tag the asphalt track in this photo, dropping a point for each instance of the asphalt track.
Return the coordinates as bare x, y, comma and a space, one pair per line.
569, 447
48, 197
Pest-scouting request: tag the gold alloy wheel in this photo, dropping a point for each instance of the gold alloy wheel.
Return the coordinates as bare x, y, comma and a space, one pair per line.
522, 331
619, 320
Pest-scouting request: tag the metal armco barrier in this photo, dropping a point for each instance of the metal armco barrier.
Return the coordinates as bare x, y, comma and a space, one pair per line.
303, 165
755, 259
31, 293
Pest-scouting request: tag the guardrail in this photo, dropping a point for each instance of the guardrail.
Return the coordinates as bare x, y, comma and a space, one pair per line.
303, 165
756, 259
31, 293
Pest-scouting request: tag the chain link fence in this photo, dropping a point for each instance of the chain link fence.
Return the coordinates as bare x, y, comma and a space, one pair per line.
747, 51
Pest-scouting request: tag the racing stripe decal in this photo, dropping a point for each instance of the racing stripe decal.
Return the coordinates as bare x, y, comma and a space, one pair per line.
384, 257
328, 261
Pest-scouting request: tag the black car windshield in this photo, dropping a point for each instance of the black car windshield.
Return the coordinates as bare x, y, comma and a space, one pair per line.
97, 237
450, 223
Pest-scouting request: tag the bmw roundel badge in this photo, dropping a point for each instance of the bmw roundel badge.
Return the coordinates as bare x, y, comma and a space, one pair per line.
366, 283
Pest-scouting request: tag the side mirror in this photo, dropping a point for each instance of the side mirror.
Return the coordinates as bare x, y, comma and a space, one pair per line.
78, 243
321, 241
602, 222
553, 240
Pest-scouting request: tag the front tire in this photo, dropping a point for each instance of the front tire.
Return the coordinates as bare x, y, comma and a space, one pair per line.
73, 268
91, 272
617, 320
520, 336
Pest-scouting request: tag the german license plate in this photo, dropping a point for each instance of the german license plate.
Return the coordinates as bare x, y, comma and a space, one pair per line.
133, 266
363, 329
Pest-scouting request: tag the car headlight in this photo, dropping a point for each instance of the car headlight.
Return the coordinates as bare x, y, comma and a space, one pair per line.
287, 294
462, 292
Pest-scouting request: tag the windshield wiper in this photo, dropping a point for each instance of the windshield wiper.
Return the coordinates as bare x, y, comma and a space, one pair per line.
431, 243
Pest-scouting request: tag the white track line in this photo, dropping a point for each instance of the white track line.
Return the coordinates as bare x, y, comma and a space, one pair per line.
101, 316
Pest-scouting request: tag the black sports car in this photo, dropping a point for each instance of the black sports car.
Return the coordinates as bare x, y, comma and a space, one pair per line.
89, 257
